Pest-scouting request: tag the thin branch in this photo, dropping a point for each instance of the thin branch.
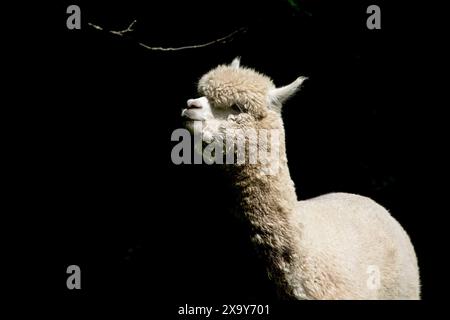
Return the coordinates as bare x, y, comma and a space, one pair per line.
118, 33
121, 33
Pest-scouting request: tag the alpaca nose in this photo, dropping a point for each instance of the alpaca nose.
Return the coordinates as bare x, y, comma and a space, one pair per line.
194, 103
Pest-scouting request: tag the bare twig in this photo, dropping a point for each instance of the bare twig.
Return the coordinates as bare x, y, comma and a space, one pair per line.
118, 33
121, 33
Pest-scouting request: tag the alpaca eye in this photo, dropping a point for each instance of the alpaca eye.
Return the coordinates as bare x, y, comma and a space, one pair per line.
236, 108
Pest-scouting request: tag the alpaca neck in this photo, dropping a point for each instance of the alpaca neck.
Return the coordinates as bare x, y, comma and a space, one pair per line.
267, 202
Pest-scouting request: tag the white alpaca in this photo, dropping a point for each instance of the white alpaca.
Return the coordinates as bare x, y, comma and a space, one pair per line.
336, 246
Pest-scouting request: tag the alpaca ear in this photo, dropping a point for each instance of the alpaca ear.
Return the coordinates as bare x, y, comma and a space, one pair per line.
236, 62
278, 96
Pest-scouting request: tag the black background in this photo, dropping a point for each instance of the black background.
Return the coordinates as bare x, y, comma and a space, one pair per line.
97, 168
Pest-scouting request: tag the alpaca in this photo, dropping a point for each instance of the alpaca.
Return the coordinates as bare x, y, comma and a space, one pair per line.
335, 246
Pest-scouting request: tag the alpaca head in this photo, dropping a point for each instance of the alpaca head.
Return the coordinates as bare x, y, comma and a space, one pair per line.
235, 97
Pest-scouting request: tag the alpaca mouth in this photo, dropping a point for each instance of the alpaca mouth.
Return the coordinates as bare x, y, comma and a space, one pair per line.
189, 114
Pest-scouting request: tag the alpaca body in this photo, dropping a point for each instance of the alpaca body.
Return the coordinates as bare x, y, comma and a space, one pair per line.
336, 246
350, 247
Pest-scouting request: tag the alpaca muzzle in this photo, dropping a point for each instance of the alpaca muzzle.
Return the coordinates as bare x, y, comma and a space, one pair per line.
197, 109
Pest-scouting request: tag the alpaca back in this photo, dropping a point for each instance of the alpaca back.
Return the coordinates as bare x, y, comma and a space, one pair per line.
350, 247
